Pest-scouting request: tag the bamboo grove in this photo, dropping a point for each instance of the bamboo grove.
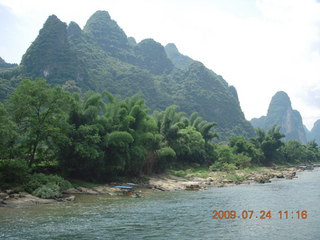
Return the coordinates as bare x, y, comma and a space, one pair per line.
101, 137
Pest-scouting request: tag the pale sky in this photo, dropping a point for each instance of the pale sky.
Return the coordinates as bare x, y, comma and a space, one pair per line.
259, 46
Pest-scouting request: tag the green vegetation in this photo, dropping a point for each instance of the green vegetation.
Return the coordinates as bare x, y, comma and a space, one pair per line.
236, 178
179, 60
100, 56
5, 66
197, 171
97, 137
49, 190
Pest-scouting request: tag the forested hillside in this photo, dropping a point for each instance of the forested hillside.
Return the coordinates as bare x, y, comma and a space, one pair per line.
4, 65
101, 57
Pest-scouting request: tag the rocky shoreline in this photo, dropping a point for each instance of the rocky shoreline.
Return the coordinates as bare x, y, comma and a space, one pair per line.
8, 199
218, 179
161, 182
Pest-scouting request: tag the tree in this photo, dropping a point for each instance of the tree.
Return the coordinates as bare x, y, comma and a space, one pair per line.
8, 134
82, 156
269, 143
295, 152
39, 112
240, 145
190, 145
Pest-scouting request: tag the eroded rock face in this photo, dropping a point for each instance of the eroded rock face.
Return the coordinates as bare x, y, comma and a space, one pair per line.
280, 113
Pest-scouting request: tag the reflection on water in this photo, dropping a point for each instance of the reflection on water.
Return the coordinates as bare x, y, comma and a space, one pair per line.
175, 215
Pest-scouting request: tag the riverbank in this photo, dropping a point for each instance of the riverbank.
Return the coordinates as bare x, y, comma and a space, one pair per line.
192, 181
196, 180
189, 179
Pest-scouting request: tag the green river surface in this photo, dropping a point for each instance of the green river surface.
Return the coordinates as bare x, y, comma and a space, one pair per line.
176, 215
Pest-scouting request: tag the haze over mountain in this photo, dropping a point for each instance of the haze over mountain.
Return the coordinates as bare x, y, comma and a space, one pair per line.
5, 65
100, 56
314, 133
280, 113
180, 61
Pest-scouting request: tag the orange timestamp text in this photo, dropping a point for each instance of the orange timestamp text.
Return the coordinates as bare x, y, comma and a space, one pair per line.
262, 214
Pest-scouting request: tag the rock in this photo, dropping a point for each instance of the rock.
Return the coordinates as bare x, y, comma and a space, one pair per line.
302, 167
271, 175
226, 181
71, 191
306, 167
159, 188
87, 191
9, 191
289, 175
192, 187
104, 189
262, 179
80, 190
14, 195
25, 201
280, 175
3, 195
70, 198
67, 199
310, 167
210, 179
220, 185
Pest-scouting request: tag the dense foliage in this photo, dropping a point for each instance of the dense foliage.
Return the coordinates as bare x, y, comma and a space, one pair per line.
101, 137
98, 136
100, 56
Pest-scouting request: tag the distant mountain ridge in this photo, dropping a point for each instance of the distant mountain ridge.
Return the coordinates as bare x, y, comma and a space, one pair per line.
280, 113
5, 65
100, 56
314, 134
179, 60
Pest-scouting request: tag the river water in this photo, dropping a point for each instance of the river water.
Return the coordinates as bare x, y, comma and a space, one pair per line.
177, 215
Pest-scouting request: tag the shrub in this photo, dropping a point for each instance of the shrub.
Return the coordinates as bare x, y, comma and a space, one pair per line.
61, 182
219, 166
236, 178
13, 172
242, 161
229, 167
39, 179
179, 173
49, 190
